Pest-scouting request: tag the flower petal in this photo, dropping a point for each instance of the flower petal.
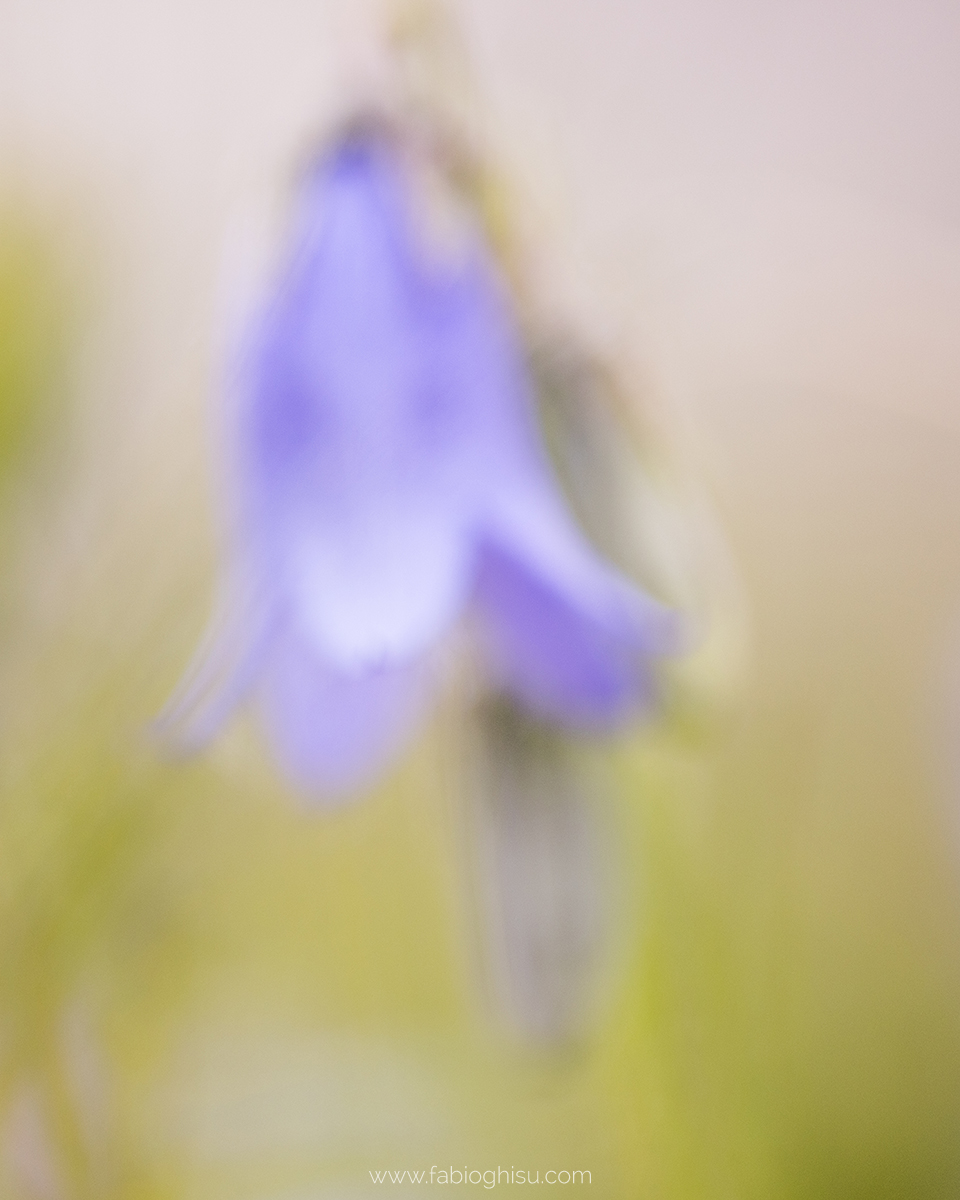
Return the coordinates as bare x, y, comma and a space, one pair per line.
558, 662
224, 669
333, 732
530, 522
359, 429
377, 588
564, 632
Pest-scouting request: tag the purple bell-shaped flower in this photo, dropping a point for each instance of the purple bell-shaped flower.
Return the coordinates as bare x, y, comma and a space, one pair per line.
388, 479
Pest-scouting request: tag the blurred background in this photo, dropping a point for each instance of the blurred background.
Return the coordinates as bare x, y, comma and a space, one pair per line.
208, 990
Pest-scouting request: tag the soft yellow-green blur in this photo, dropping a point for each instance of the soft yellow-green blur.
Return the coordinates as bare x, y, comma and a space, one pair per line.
211, 992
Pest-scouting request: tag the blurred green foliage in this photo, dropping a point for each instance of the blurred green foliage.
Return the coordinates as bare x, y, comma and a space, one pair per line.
34, 321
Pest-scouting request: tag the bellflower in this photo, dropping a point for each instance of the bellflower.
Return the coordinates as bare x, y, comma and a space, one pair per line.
389, 482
